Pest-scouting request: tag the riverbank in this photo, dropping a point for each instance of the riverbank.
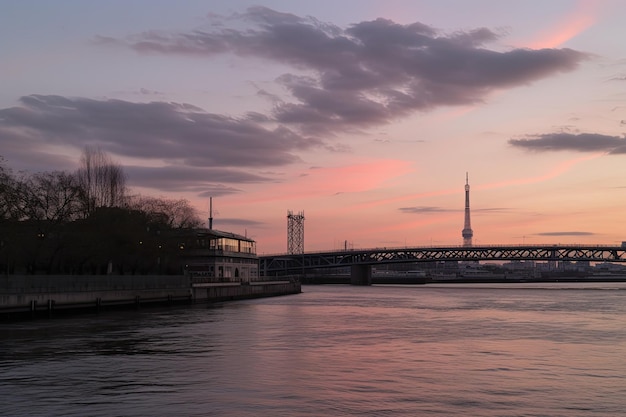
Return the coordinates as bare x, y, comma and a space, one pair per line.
51, 295
421, 280
345, 279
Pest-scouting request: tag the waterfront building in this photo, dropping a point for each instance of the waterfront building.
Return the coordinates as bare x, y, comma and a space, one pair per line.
210, 255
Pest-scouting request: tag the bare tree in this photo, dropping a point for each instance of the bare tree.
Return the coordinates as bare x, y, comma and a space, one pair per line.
14, 197
6, 191
102, 182
177, 214
51, 196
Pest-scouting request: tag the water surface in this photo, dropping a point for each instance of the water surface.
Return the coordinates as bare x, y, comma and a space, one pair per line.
480, 350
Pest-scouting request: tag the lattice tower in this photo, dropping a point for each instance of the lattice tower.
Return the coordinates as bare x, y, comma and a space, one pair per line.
295, 232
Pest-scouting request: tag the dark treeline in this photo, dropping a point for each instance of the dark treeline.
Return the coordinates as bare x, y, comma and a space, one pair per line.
86, 222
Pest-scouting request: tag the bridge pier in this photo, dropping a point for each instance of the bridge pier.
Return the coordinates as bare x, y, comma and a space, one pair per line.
361, 275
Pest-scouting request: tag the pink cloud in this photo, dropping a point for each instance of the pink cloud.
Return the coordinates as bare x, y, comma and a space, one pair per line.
581, 18
328, 181
353, 178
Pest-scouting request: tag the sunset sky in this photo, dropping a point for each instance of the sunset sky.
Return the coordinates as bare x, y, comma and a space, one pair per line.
366, 115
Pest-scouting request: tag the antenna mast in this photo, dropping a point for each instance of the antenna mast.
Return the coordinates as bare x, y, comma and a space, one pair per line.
467, 232
210, 213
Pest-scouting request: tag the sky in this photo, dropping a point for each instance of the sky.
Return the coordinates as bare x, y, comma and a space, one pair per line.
365, 115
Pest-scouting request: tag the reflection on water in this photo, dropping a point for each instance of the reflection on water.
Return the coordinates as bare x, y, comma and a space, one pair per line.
556, 350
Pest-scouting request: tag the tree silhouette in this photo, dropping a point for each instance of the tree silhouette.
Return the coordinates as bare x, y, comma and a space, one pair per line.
102, 182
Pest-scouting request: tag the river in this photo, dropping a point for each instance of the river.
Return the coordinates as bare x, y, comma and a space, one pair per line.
334, 350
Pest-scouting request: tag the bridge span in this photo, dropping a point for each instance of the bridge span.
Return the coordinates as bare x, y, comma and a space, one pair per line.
360, 261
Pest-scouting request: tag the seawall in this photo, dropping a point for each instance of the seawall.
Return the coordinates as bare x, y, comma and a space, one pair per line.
37, 295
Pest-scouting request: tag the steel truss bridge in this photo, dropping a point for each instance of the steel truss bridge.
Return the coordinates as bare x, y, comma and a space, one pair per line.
294, 263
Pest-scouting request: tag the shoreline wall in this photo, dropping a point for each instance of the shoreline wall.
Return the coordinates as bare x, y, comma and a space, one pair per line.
37, 295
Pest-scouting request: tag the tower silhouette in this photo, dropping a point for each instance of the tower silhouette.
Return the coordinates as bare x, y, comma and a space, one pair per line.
467, 228
295, 232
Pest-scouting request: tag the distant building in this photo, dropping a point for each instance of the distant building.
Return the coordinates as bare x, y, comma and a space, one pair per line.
211, 255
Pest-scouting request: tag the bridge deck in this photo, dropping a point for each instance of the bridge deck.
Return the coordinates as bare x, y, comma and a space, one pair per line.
333, 259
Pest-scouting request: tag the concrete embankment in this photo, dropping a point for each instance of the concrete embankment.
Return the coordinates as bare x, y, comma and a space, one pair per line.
53, 294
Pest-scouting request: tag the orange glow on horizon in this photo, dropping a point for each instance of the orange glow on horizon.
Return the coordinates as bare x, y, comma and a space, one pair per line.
553, 173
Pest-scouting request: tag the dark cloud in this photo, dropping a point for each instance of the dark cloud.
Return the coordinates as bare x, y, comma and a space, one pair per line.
32, 155
491, 210
152, 130
146, 92
214, 190
204, 181
426, 209
565, 234
344, 79
583, 142
210, 147
368, 73
431, 209
219, 221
